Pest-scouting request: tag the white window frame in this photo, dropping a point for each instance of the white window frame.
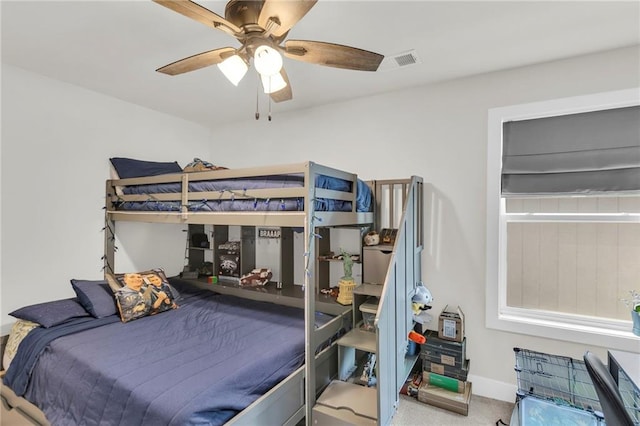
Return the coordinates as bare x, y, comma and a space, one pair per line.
614, 334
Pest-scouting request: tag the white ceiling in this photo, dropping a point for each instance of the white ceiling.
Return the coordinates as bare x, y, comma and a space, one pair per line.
113, 47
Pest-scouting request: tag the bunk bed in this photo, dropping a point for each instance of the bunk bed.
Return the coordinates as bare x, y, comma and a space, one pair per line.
304, 196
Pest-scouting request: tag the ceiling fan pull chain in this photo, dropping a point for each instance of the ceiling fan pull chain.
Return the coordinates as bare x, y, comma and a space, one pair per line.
268, 91
257, 101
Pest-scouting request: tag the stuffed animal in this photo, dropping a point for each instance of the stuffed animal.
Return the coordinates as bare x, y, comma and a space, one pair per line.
420, 304
372, 239
423, 295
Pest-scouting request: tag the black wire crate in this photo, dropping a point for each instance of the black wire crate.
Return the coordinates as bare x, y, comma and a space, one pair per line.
559, 379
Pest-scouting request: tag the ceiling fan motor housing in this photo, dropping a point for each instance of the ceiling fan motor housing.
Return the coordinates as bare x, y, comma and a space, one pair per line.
243, 13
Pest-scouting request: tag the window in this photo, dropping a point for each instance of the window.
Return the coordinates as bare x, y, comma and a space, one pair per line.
563, 221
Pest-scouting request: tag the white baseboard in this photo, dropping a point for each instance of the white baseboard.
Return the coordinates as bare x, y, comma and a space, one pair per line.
494, 389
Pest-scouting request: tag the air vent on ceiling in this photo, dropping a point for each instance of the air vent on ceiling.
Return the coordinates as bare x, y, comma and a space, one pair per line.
399, 60
406, 59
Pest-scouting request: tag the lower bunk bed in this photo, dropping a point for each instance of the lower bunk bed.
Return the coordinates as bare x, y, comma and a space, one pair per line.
216, 359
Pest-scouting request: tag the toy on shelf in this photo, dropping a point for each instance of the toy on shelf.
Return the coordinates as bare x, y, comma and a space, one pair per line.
416, 337
372, 239
420, 304
346, 283
257, 277
368, 377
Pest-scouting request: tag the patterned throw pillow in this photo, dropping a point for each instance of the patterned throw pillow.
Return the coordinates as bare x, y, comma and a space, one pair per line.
144, 293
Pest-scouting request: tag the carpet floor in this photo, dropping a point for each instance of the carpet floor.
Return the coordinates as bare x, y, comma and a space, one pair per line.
482, 412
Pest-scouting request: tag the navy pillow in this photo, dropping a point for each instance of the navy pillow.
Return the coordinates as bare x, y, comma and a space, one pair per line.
96, 297
130, 168
48, 314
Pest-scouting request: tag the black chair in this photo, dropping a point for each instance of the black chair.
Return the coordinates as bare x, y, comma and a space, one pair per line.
613, 408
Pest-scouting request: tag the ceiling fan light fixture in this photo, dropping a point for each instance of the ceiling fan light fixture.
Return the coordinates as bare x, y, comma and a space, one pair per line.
234, 68
267, 60
273, 83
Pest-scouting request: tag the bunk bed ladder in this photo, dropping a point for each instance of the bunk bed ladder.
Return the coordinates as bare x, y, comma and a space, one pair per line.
399, 205
394, 316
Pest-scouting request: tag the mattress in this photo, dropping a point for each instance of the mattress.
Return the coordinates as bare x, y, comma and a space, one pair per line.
199, 364
240, 186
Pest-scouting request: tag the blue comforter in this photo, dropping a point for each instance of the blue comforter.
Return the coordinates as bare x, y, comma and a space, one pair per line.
17, 377
239, 185
199, 364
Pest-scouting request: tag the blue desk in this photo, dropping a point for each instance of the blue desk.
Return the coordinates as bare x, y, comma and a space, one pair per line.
625, 369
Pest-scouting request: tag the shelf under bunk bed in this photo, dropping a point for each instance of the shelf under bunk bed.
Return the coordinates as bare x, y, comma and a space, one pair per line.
292, 295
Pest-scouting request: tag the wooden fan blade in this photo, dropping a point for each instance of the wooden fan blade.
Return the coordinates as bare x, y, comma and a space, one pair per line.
285, 94
332, 55
198, 61
201, 14
285, 13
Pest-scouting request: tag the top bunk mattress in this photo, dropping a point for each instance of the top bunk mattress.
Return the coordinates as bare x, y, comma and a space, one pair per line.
239, 187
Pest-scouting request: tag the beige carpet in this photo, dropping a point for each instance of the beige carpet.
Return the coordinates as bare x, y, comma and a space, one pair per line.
482, 411
411, 412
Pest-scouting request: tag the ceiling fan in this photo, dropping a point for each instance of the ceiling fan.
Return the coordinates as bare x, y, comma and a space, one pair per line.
261, 27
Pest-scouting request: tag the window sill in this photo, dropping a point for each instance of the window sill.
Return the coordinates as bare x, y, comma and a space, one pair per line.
615, 334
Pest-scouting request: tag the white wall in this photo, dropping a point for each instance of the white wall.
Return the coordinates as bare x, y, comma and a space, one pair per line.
440, 133
56, 140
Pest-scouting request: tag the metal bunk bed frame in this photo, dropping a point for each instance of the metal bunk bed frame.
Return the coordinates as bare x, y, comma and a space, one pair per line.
278, 400
293, 399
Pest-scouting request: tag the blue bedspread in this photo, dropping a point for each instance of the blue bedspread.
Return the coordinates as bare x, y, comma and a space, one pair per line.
17, 377
363, 195
199, 364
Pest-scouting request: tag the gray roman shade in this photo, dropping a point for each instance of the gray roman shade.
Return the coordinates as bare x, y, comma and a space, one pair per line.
585, 153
